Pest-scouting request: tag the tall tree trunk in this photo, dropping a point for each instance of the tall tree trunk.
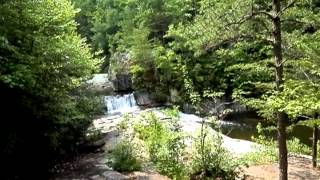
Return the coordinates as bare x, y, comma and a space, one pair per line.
281, 117
314, 146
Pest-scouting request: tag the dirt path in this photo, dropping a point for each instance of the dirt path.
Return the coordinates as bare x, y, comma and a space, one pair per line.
299, 169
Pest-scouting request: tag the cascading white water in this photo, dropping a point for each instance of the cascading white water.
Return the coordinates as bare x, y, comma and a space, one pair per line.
121, 104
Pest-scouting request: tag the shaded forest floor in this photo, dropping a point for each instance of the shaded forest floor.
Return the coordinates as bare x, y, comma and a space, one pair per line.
299, 169
93, 166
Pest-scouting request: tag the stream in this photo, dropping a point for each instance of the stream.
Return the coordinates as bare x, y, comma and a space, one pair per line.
245, 131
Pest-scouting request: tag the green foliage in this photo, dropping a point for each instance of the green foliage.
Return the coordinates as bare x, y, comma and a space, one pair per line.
172, 112
143, 67
236, 40
43, 64
137, 29
210, 160
212, 46
204, 48
84, 17
124, 157
310, 122
162, 142
169, 158
124, 123
264, 154
297, 147
165, 144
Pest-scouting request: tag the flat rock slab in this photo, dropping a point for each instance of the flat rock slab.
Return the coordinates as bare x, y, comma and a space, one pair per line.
113, 175
147, 176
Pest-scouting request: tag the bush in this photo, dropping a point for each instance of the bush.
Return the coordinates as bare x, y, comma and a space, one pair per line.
124, 158
172, 112
263, 155
297, 147
165, 144
210, 160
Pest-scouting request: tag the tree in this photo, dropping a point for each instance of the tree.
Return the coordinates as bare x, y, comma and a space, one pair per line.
108, 24
43, 64
301, 92
220, 26
84, 17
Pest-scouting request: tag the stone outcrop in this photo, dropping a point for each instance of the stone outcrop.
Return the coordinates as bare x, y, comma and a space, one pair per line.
119, 72
122, 82
100, 84
143, 99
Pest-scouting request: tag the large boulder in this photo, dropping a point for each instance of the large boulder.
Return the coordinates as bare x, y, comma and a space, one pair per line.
100, 83
119, 72
143, 99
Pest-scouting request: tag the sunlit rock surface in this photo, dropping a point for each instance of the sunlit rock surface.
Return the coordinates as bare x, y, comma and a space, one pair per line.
100, 84
190, 124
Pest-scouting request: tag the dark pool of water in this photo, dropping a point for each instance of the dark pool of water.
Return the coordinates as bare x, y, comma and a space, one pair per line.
246, 128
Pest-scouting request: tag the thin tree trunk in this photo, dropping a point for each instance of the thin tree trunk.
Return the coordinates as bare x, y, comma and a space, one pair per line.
314, 146
282, 146
281, 117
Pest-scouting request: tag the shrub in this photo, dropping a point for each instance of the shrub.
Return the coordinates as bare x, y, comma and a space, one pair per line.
169, 159
297, 147
124, 158
262, 155
172, 112
165, 144
210, 160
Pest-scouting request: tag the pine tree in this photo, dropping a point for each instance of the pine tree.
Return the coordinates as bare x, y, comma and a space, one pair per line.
277, 24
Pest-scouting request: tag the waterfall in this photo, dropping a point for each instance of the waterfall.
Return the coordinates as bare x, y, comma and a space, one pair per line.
121, 104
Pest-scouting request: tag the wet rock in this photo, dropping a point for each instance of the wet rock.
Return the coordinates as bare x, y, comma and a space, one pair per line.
97, 177
114, 175
122, 82
143, 98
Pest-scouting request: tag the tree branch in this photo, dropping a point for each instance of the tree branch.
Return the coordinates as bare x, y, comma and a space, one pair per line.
270, 16
216, 46
287, 7
293, 20
283, 61
253, 14
211, 47
307, 76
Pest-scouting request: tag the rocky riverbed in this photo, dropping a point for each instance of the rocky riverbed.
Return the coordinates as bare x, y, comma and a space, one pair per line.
93, 166
190, 124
